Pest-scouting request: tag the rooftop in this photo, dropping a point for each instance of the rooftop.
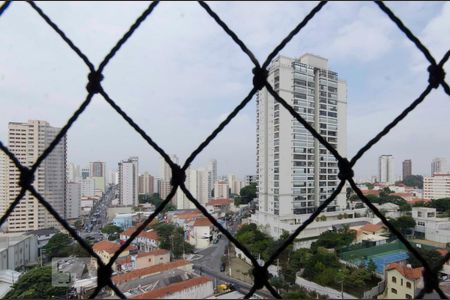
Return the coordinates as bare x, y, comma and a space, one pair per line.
221, 201
372, 227
173, 288
408, 272
203, 222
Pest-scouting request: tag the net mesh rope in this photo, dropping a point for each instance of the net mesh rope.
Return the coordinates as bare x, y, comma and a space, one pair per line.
260, 273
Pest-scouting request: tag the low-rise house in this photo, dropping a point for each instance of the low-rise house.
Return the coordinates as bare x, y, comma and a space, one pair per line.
390, 210
106, 249
143, 260
146, 240
201, 234
219, 206
43, 236
401, 281
196, 288
378, 229
430, 226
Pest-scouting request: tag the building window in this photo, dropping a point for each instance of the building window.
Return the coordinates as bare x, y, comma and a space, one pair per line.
394, 291
401, 282
408, 285
394, 279
408, 296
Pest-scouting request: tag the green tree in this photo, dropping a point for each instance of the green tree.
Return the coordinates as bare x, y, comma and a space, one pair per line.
59, 245
78, 224
432, 257
36, 283
172, 238
371, 266
369, 185
414, 181
403, 223
441, 205
112, 231
248, 193
334, 239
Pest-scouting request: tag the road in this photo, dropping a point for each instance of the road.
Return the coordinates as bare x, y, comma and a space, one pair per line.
212, 256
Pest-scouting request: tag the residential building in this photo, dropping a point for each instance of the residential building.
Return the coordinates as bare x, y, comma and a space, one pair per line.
436, 186
97, 170
146, 240
212, 175
249, 179
28, 141
202, 233
87, 187
143, 260
429, 226
386, 169
401, 281
146, 184
85, 173
73, 200
43, 236
407, 168
196, 288
73, 173
17, 251
123, 220
307, 174
128, 182
197, 182
439, 165
3, 183
106, 249
221, 190
114, 177
166, 176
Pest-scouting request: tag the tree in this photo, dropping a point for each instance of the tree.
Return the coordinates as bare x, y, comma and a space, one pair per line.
36, 283
172, 238
335, 239
248, 193
403, 223
369, 185
112, 231
78, 224
441, 205
371, 266
432, 257
414, 181
58, 246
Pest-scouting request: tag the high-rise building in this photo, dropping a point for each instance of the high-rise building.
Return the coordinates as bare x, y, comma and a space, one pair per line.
295, 173
97, 170
407, 168
87, 187
249, 179
146, 184
212, 176
73, 173
128, 182
85, 173
197, 182
436, 186
221, 190
27, 141
166, 173
386, 169
439, 165
73, 200
3, 182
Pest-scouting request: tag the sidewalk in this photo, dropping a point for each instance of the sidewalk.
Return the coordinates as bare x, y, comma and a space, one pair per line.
323, 290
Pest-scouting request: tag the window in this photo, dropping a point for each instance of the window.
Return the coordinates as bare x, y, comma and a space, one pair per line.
408, 284
408, 296
394, 279
401, 282
394, 291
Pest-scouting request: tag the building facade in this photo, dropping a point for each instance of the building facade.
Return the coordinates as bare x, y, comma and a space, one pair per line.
73, 200
436, 186
27, 141
18, 251
307, 173
166, 176
221, 189
386, 169
98, 173
146, 184
128, 182
439, 165
212, 175
407, 168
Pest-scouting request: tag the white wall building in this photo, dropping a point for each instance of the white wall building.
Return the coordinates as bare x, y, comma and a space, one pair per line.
436, 186
88, 187
128, 182
166, 176
439, 165
386, 169
221, 190
73, 173
73, 200
212, 177
17, 251
27, 141
295, 173
3, 182
97, 170
197, 182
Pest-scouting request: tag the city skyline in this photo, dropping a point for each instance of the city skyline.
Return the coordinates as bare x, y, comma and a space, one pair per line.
193, 110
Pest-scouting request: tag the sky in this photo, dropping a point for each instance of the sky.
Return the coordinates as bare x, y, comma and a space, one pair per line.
180, 75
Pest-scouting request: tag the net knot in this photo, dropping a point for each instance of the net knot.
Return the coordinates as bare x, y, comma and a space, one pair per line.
259, 77
178, 176
345, 169
260, 276
104, 274
26, 177
94, 86
437, 75
430, 280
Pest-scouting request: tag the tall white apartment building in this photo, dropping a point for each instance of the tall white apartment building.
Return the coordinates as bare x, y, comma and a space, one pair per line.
221, 190
235, 184
87, 187
295, 172
73, 200
27, 141
212, 177
439, 165
73, 173
3, 181
197, 182
386, 169
166, 173
436, 186
97, 170
128, 182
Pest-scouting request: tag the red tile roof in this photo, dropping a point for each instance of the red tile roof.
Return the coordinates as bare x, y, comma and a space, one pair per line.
173, 288
372, 227
152, 234
370, 192
149, 270
109, 246
410, 273
154, 253
203, 222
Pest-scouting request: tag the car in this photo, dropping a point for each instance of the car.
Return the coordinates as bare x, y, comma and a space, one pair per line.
222, 267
